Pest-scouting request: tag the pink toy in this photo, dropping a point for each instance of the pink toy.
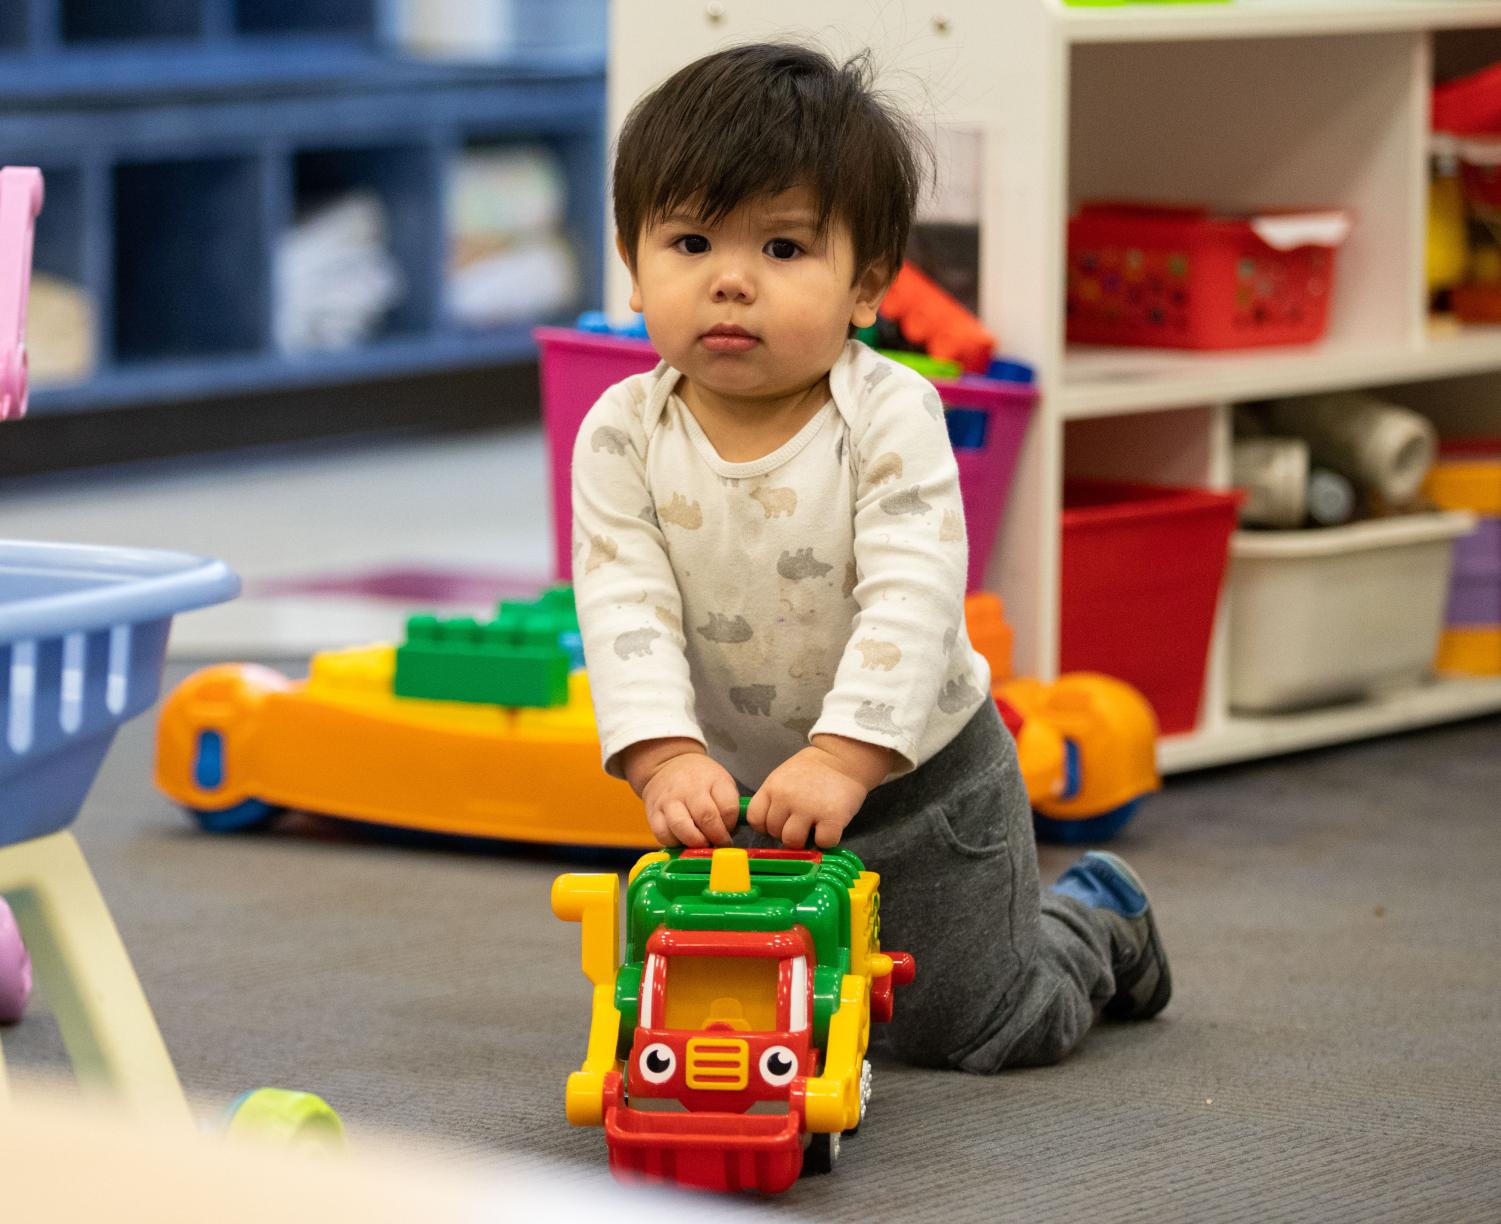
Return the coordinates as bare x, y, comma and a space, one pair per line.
20, 202
15, 968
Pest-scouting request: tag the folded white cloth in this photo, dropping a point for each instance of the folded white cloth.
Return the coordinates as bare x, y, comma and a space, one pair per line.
336, 279
512, 192
526, 282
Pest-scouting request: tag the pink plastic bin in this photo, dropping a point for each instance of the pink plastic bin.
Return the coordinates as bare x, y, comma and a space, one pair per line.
578, 366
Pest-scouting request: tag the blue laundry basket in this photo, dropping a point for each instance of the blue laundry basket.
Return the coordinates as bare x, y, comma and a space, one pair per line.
83, 635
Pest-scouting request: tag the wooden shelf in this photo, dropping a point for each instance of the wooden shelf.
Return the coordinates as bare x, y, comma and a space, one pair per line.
1268, 18
394, 357
1243, 738
1244, 105
1106, 381
253, 66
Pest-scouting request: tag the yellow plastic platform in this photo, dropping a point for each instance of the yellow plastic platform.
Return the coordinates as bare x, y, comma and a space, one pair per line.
341, 744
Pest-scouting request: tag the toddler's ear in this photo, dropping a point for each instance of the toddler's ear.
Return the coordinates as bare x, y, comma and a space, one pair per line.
625, 258
869, 290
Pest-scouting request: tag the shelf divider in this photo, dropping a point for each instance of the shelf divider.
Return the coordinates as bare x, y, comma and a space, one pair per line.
43, 29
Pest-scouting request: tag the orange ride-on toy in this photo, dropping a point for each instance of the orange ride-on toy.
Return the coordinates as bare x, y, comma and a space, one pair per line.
1087, 743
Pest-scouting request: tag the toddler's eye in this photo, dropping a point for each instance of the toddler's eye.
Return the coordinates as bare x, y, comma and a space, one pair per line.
783, 248
692, 244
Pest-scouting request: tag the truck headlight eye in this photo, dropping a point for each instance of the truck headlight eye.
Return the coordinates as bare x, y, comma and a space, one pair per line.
778, 1064
658, 1062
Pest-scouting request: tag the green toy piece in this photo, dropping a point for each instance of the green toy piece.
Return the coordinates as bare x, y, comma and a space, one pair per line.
517, 659
808, 892
928, 367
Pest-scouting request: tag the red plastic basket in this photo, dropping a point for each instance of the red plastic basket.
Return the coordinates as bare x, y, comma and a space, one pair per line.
1469, 106
577, 367
1185, 278
1482, 177
1142, 571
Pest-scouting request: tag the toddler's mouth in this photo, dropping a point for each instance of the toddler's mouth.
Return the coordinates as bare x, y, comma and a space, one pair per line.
727, 338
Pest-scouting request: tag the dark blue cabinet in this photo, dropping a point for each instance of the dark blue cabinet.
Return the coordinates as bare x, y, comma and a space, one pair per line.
180, 137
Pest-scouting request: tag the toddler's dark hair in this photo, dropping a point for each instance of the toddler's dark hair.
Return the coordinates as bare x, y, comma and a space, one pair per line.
764, 117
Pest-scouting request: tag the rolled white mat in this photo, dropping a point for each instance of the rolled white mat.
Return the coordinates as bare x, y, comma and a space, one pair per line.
1381, 447
1331, 498
1274, 474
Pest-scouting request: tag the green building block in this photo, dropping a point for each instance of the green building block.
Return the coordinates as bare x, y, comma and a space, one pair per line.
551, 612
510, 661
517, 659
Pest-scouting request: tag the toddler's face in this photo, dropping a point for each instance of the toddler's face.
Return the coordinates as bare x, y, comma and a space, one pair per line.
757, 306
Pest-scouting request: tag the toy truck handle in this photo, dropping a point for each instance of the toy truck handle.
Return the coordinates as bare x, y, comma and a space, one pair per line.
593, 901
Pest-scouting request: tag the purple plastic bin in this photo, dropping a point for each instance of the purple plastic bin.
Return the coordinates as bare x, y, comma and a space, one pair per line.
577, 368
1475, 590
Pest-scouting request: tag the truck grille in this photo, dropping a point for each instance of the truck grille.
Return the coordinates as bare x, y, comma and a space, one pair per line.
718, 1063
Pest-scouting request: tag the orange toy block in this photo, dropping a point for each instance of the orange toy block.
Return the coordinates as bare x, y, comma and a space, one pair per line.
932, 318
985, 618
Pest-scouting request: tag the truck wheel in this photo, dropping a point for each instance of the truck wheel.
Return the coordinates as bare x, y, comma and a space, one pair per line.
1083, 829
822, 1154
865, 1078
246, 817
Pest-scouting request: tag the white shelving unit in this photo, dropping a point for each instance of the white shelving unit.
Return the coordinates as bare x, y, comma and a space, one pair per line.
1245, 104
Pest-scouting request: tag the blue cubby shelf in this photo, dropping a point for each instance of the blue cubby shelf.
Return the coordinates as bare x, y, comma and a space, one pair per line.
163, 382
179, 138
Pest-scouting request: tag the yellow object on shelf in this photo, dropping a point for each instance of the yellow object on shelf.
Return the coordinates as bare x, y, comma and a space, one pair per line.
1448, 252
1470, 651
1473, 485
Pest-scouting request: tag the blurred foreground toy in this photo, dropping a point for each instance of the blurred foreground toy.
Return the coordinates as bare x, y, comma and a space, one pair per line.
727, 1049
21, 193
238, 744
15, 968
83, 635
1086, 743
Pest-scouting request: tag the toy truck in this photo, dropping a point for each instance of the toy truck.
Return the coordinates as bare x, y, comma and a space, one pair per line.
727, 1048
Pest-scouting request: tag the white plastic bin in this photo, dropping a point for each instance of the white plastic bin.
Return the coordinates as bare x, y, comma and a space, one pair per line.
1328, 615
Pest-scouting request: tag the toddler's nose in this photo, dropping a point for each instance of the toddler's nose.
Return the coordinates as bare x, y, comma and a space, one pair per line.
731, 284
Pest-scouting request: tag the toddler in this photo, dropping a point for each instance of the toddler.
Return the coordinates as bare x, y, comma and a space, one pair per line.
769, 560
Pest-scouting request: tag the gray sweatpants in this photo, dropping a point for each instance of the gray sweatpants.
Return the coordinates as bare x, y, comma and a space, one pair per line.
1007, 976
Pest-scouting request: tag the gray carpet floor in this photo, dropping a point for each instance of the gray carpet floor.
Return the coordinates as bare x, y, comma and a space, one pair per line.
1332, 1052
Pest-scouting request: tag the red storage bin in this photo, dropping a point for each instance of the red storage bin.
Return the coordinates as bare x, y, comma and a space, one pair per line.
1185, 278
1141, 576
1469, 106
1480, 172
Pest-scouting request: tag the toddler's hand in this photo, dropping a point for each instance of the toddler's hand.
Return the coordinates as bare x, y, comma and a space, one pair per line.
808, 792
691, 800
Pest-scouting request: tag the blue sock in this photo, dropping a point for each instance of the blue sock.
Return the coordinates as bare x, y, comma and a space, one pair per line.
1097, 881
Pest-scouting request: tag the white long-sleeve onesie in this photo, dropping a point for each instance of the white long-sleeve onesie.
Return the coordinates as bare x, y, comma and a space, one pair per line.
749, 606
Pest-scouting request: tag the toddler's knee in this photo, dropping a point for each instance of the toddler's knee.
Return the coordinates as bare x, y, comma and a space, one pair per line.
1037, 1038
929, 1031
